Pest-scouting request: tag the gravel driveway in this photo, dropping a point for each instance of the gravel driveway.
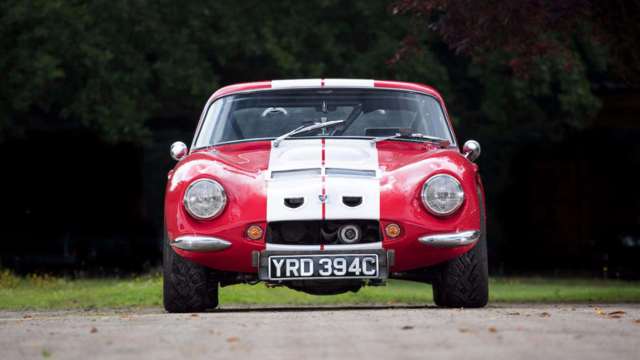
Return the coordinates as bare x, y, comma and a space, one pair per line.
497, 332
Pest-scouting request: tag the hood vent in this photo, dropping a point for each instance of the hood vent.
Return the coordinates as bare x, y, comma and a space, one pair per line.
351, 172
294, 202
295, 173
352, 201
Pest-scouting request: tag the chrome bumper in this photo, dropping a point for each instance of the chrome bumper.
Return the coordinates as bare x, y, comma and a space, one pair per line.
200, 243
306, 248
451, 239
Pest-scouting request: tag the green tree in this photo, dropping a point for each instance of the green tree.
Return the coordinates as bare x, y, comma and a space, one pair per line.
114, 66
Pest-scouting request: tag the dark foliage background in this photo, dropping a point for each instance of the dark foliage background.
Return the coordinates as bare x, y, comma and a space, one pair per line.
93, 93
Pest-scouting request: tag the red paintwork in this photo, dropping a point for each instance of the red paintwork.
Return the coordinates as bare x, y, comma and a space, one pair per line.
236, 88
408, 86
406, 167
324, 180
241, 168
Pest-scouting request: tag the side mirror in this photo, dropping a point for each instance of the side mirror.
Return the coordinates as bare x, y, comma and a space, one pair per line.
179, 150
471, 150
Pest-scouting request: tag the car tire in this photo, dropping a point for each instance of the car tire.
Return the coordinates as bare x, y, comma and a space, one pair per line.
187, 286
464, 281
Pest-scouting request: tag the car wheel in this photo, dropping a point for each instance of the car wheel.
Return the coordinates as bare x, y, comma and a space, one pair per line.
464, 281
187, 287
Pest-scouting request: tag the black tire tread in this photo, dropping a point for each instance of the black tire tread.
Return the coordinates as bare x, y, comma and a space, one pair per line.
187, 287
464, 281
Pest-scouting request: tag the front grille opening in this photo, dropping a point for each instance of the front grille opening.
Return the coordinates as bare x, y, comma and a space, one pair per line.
319, 232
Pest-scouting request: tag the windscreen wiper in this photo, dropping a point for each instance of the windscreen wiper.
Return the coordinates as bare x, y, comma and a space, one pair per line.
440, 141
305, 128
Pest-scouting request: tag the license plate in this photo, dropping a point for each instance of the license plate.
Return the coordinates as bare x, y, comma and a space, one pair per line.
343, 266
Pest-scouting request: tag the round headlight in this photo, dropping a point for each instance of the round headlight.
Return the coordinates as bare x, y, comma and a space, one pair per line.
442, 195
205, 199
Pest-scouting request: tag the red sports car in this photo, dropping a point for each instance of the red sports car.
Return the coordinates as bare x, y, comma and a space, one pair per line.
324, 186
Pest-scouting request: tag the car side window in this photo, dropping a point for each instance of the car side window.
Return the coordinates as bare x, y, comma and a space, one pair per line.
436, 122
206, 134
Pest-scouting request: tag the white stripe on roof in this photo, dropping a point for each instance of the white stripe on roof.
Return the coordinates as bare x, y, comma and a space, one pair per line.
298, 83
357, 83
315, 83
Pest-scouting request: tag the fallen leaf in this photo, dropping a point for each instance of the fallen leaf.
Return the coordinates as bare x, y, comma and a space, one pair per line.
232, 339
194, 315
94, 330
637, 321
599, 311
27, 316
407, 327
615, 316
463, 330
513, 313
619, 312
492, 329
545, 314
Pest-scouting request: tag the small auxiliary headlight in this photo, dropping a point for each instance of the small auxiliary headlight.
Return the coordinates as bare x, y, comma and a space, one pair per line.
254, 232
392, 230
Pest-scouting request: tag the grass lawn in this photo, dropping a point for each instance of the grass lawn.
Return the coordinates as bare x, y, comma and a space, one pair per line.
52, 293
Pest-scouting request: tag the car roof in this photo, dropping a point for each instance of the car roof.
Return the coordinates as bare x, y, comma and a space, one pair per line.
324, 83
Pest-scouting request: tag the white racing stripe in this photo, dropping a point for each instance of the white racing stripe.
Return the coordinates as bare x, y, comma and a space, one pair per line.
284, 160
297, 83
353, 83
350, 169
352, 155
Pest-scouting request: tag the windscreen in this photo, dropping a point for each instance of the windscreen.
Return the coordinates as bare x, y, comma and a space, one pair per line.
365, 113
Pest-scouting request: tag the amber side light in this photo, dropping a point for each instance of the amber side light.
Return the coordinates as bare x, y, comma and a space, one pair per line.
254, 232
392, 230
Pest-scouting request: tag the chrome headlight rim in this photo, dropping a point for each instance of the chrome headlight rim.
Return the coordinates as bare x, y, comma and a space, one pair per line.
423, 194
185, 201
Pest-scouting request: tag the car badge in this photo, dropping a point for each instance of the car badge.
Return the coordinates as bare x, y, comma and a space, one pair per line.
323, 198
